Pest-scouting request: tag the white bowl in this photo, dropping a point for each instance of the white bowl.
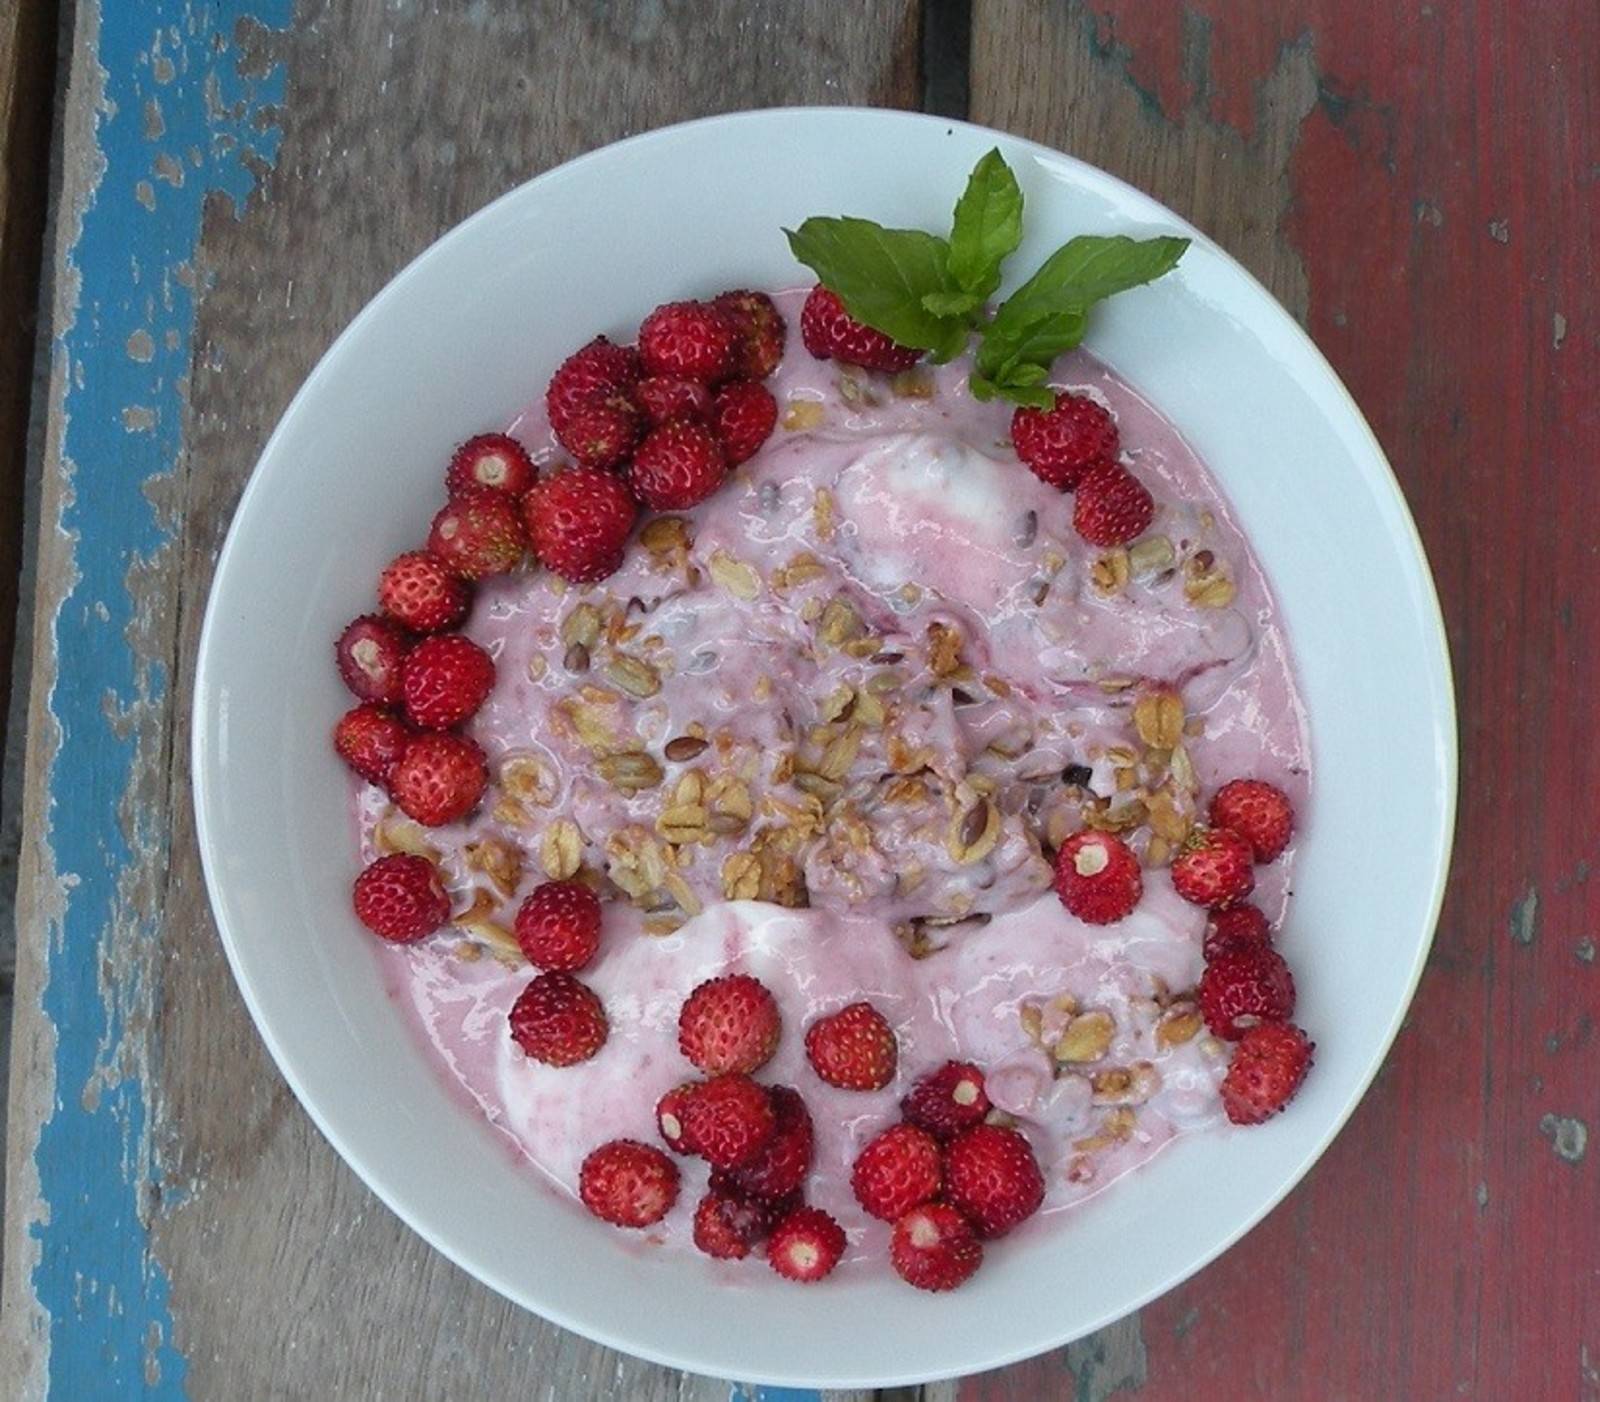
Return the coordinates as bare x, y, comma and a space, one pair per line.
464, 337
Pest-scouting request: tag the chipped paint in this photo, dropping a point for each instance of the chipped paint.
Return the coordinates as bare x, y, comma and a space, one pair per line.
1525, 917
750, 1392
1109, 1362
1500, 230
98, 1323
1584, 949
1568, 1136
1558, 331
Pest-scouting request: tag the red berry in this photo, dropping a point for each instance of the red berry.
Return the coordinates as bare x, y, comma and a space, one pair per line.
478, 534
419, 593
1245, 987
831, 333
691, 339
934, 1248
729, 1024
896, 1171
628, 1184
1238, 927
558, 1020
494, 460
446, 679
743, 416
728, 1226
728, 1120
759, 332
991, 1175
1214, 869
439, 778
1268, 1067
1259, 812
1113, 506
401, 898
947, 1101
677, 466
370, 740
602, 434
669, 1115
558, 926
1062, 443
1098, 877
371, 653
853, 1048
578, 522
596, 372
805, 1245
782, 1165
667, 397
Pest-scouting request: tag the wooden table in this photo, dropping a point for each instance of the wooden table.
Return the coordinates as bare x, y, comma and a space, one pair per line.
1419, 183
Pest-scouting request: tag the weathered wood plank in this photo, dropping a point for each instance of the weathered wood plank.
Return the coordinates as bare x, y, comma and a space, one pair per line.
239, 179
1420, 185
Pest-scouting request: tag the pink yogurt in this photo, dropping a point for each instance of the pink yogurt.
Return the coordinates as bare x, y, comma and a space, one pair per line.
927, 518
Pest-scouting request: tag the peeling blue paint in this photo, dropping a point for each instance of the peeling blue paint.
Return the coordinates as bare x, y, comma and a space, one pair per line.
106, 1296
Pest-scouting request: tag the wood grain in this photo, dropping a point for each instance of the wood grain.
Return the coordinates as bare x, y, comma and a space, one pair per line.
396, 125
1421, 185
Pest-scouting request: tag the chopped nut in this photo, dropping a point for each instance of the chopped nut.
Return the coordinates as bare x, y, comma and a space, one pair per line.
1214, 592
529, 778
1158, 852
639, 679
1109, 573
801, 569
688, 902
944, 649
854, 389
561, 850
1150, 555
664, 534
734, 575
1126, 1085
1180, 1025
741, 876
1114, 1129
1182, 768
475, 920
1158, 717
581, 626
840, 622
499, 860
838, 703
630, 771
840, 753
818, 785
822, 513
1165, 819
1032, 1021
1087, 1038
691, 787
682, 748
396, 834
512, 814
682, 823
803, 414
912, 384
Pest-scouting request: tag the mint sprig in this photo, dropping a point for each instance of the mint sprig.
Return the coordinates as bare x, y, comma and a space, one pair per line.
925, 291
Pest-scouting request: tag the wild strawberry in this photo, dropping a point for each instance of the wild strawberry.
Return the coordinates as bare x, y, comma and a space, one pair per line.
934, 1247
1239, 927
578, 521
759, 332
1113, 506
948, 1100
401, 898
371, 653
1244, 987
780, 1168
602, 434
677, 466
728, 1120
1269, 1065
558, 926
691, 339
831, 333
853, 1048
438, 778
743, 416
478, 534
1214, 869
587, 376
669, 1115
558, 1020
805, 1245
370, 740
667, 397
494, 460
628, 1184
446, 679
728, 1227
729, 1024
1098, 877
1060, 444
991, 1175
896, 1171
1259, 812
420, 594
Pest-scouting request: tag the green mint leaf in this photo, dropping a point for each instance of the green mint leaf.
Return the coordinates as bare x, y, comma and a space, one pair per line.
950, 303
983, 388
987, 226
1087, 270
882, 275
1029, 396
1005, 348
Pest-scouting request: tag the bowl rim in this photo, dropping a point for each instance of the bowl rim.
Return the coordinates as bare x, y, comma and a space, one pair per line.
1445, 724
